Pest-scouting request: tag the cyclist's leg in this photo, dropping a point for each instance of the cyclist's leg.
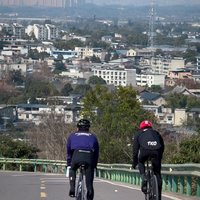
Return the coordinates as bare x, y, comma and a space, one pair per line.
89, 173
156, 162
142, 157
72, 181
72, 173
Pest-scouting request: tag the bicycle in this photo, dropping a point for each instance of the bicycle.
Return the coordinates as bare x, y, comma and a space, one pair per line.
81, 187
152, 182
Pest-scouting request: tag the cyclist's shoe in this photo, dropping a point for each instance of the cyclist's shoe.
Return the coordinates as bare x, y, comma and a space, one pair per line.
144, 184
72, 193
90, 194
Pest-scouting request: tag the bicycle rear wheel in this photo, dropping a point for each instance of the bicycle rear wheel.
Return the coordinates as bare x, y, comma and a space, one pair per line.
154, 188
79, 190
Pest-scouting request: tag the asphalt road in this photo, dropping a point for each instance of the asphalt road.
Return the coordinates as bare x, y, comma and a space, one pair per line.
40, 186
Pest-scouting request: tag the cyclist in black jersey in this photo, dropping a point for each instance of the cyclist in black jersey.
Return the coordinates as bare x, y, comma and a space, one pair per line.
148, 142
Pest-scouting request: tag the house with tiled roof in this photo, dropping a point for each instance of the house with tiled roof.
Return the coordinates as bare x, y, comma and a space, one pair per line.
151, 98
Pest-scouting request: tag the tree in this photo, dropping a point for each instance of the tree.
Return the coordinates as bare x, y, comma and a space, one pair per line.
38, 88
96, 80
182, 101
107, 57
59, 67
190, 56
115, 116
189, 151
156, 88
176, 100
82, 89
50, 137
66, 45
16, 77
95, 59
16, 149
67, 89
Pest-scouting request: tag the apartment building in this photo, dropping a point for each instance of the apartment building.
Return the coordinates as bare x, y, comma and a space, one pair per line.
149, 79
16, 30
52, 32
74, 72
66, 54
116, 76
43, 32
15, 49
147, 53
198, 63
178, 74
36, 113
88, 52
162, 65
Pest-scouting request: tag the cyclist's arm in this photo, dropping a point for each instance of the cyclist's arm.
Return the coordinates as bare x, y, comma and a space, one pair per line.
96, 152
69, 151
162, 144
136, 147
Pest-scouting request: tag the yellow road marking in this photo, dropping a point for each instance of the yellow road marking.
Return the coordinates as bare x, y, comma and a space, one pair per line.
43, 194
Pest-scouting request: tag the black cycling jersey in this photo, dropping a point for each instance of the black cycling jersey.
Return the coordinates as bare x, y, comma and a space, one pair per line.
149, 139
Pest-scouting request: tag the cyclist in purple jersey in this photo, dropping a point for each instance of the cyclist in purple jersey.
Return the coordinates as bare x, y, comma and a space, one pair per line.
82, 149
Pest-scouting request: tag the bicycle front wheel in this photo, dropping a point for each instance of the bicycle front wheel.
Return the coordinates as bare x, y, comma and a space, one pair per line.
154, 188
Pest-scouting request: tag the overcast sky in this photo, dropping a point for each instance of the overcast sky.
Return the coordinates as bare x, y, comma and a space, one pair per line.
147, 2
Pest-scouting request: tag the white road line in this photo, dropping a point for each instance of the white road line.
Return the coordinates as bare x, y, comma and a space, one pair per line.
134, 188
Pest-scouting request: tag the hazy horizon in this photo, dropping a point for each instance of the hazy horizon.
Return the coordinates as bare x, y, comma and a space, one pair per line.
146, 2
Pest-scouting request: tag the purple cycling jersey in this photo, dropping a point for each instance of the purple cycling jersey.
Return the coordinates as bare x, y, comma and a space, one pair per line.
82, 140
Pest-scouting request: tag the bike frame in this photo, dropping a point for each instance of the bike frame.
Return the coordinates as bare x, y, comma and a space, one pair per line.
80, 189
152, 183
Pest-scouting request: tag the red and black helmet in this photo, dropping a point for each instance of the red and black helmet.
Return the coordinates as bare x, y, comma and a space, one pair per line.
145, 124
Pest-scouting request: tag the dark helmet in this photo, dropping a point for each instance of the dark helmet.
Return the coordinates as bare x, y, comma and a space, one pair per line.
83, 123
145, 124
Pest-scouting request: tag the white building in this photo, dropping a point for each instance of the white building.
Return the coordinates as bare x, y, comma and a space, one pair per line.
66, 54
52, 32
198, 63
40, 32
18, 30
140, 53
76, 73
88, 52
36, 113
116, 76
43, 32
162, 65
150, 79
22, 67
15, 49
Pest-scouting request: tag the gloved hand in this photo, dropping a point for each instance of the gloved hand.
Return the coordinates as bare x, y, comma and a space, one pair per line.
67, 170
134, 166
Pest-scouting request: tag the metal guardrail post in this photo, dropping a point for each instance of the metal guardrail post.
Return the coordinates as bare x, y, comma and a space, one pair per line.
35, 168
169, 186
45, 168
20, 167
189, 185
198, 187
182, 178
137, 180
164, 182
174, 184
